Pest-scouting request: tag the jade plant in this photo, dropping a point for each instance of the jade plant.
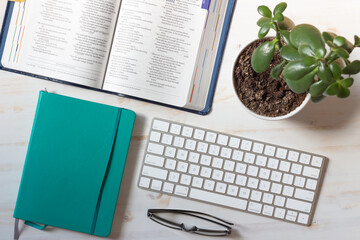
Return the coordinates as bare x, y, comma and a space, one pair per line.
313, 62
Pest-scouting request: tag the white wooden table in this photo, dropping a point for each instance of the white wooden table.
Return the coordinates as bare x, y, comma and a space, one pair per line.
331, 128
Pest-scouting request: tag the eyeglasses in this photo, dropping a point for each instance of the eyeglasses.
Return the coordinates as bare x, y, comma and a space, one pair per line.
165, 218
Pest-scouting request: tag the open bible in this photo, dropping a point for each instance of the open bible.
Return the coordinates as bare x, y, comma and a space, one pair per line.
164, 51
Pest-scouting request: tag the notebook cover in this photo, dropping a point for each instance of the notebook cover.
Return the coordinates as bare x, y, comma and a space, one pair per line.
214, 78
75, 148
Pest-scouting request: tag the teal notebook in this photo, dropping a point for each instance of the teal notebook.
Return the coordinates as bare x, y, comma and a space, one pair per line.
74, 164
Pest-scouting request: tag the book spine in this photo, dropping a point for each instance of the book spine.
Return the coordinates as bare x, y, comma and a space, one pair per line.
41, 94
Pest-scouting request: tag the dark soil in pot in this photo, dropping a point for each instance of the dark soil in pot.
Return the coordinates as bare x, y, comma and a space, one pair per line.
259, 92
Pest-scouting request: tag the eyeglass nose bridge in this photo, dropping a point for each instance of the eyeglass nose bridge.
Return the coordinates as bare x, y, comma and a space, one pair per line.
192, 229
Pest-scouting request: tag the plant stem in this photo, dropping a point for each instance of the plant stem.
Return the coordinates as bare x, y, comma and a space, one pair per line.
278, 36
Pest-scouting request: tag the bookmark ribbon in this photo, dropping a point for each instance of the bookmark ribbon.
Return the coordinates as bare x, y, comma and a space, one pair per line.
31, 224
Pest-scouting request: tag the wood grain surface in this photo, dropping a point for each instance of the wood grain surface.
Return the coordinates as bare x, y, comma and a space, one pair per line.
330, 128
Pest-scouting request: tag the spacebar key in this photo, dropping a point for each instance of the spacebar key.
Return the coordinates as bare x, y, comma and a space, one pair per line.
218, 199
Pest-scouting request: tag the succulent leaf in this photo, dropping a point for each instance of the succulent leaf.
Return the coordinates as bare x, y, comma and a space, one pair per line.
278, 17
264, 30
263, 21
318, 88
264, 11
262, 56
357, 41
335, 70
297, 69
352, 68
343, 92
277, 70
306, 34
339, 41
286, 24
324, 73
333, 89
328, 36
289, 53
305, 50
341, 52
347, 82
317, 99
280, 8
285, 36
301, 85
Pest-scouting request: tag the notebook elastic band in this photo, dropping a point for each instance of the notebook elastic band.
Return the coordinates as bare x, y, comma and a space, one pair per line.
36, 225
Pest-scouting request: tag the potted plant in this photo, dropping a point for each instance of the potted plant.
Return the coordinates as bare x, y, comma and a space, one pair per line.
275, 77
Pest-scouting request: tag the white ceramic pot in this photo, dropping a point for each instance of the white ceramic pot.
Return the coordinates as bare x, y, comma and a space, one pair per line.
295, 111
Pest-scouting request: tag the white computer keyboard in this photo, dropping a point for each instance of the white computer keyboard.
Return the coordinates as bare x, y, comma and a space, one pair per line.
244, 174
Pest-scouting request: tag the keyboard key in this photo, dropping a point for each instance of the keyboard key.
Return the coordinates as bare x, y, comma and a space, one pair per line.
246, 145
205, 172
269, 150
190, 144
316, 161
254, 207
170, 152
252, 171
174, 177
154, 172
209, 184
182, 167
244, 193
199, 134
166, 139
264, 185
249, 158
179, 142
229, 177
160, 125
185, 179
293, 156
168, 187
237, 155
299, 181
194, 157
144, 182
234, 142
222, 140
197, 182
154, 160
288, 191
291, 216
296, 168
276, 188
288, 179
261, 160
232, 190
268, 198
187, 132
182, 154
229, 165
218, 199
255, 195
181, 190
240, 168
225, 152
253, 182
298, 205
276, 176
311, 172
311, 184
281, 153
156, 185
303, 218
279, 201
305, 158
279, 213
284, 166
210, 137
202, 147
170, 164
217, 174
175, 129
155, 136
304, 194
155, 148
258, 148
205, 160
220, 187
241, 180
268, 210
273, 163
214, 150
217, 162
264, 173
194, 169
